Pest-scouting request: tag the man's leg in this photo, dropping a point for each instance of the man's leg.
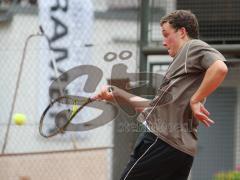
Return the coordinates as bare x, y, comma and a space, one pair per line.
182, 172
153, 159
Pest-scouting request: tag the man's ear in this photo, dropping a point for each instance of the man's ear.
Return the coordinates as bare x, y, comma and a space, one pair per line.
183, 32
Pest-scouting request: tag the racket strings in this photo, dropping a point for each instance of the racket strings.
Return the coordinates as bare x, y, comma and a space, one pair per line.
60, 113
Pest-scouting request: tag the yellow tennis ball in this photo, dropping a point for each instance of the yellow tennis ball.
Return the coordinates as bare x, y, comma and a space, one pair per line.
19, 119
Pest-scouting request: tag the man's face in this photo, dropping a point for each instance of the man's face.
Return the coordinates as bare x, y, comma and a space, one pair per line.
171, 39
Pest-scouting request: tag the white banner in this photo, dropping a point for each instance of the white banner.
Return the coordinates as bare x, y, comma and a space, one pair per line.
68, 25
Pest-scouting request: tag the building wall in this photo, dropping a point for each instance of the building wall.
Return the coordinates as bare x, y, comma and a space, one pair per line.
237, 130
68, 165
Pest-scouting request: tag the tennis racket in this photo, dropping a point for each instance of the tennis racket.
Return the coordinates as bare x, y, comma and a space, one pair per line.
72, 108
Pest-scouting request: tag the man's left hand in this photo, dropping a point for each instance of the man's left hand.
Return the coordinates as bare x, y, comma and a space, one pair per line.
201, 113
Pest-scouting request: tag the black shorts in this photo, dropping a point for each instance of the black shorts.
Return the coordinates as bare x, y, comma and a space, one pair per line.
153, 159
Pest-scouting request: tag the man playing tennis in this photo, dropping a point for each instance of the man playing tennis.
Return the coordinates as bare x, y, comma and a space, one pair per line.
167, 149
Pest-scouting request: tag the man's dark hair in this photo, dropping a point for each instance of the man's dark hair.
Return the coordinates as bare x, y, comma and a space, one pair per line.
183, 18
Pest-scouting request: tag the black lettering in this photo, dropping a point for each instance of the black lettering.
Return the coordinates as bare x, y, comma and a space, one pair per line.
61, 6
60, 29
63, 53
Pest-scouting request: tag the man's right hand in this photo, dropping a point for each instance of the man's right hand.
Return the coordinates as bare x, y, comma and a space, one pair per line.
107, 92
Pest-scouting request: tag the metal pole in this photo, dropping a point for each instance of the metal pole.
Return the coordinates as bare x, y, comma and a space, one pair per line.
144, 17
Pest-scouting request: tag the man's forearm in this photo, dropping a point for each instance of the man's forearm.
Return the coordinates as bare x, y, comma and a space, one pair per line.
214, 76
137, 102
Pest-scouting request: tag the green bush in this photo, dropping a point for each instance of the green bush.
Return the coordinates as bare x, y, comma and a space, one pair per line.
230, 175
